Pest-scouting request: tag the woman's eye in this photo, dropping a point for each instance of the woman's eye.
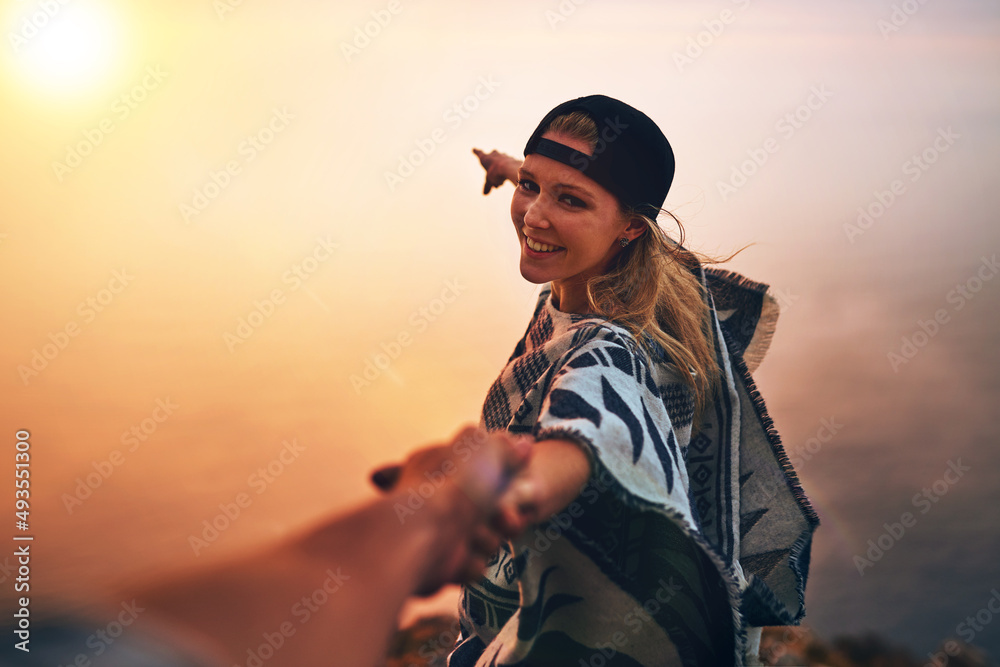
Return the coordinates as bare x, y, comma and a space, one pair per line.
574, 201
527, 185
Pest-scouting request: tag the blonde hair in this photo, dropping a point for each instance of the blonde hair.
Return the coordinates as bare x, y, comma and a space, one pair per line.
654, 292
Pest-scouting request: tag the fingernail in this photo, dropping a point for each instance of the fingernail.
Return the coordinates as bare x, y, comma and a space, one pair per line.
524, 490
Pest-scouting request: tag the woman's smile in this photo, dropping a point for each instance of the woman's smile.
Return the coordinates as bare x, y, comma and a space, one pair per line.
536, 248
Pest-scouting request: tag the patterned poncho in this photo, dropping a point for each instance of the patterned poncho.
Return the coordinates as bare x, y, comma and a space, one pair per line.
678, 548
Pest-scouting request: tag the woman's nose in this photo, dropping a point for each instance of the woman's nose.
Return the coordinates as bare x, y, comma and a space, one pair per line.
536, 214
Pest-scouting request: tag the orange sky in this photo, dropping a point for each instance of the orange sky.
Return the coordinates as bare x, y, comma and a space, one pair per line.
220, 166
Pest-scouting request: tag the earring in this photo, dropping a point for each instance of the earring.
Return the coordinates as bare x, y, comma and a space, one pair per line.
623, 241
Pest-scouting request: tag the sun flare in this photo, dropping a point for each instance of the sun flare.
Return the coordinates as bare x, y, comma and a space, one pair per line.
65, 48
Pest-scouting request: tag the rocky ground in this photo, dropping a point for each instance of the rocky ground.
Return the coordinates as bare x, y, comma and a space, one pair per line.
426, 644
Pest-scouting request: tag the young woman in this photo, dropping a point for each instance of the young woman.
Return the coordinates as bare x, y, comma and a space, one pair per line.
665, 521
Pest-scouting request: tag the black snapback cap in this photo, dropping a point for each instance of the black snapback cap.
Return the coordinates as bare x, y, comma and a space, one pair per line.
632, 159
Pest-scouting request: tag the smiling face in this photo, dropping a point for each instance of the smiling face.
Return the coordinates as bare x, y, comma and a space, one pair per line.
568, 226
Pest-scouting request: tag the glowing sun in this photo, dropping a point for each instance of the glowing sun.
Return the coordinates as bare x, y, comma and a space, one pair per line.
64, 46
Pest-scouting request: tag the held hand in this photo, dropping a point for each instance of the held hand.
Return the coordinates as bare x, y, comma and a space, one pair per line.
477, 467
461, 483
514, 505
474, 453
386, 477
553, 478
519, 506
499, 168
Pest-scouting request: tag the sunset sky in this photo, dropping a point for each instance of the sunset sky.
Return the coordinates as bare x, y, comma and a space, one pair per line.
216, 216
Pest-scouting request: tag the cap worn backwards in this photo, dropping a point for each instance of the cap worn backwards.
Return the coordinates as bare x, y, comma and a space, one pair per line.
632, 158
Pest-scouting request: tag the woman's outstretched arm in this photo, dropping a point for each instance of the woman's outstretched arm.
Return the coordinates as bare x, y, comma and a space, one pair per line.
554, 476
499, 167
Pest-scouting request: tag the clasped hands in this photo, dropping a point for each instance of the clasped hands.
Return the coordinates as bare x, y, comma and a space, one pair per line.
477, 488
